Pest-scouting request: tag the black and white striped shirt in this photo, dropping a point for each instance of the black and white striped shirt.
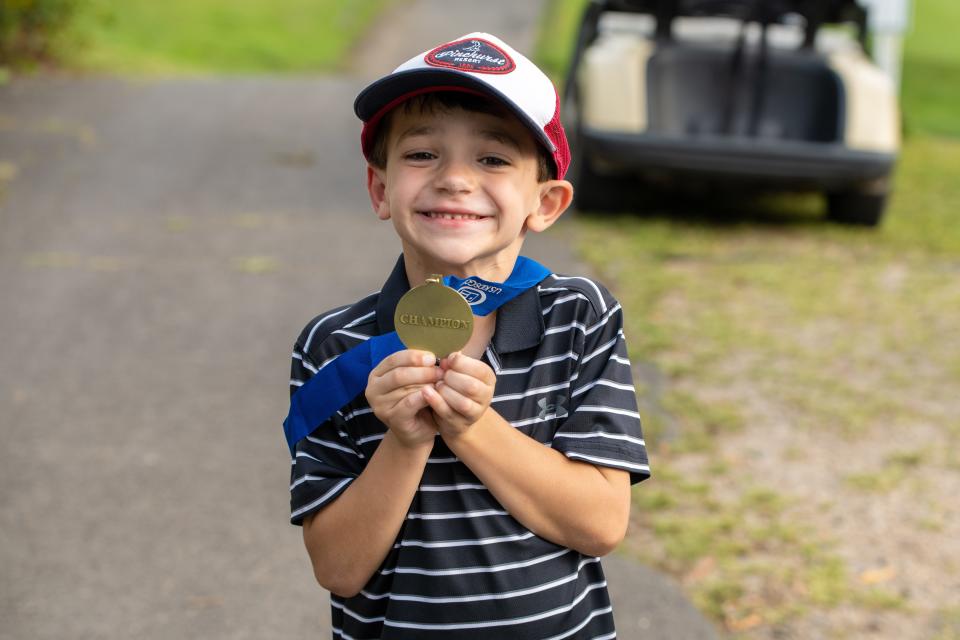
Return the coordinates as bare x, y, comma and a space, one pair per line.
461, 566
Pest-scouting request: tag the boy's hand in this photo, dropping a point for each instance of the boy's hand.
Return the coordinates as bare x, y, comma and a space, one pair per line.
394, 393
463, 394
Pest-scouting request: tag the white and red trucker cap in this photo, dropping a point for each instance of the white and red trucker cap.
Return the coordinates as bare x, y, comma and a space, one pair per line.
475, 63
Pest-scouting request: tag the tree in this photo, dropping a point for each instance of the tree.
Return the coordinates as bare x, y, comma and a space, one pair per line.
28, 27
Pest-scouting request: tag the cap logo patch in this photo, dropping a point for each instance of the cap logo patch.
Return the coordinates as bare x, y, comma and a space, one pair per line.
473, 55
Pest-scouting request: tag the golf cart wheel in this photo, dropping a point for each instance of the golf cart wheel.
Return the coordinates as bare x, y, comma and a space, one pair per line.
864, 209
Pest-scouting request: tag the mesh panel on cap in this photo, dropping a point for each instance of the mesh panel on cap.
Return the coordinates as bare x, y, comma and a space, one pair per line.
555, 132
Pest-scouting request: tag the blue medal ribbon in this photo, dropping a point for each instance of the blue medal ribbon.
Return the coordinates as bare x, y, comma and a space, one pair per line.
486, 297
341, 380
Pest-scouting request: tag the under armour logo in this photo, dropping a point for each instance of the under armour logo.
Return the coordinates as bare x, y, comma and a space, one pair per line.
548, 408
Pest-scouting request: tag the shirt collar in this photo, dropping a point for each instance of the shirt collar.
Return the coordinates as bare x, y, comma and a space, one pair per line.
519, 322
393, 289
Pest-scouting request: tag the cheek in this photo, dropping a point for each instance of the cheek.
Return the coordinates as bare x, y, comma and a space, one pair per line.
519, 194
530, 199
393, 196
403, 190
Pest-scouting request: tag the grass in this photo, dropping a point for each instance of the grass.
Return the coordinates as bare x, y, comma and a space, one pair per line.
752, 310
729, 550
838, 330
948, 624
896, 469
823, 323
931, 70
923, 212
147, 37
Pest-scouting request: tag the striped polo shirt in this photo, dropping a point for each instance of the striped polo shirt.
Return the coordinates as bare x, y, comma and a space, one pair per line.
461, 566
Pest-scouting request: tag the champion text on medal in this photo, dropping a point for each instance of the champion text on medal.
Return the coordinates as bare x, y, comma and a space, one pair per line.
433, 321
474, 55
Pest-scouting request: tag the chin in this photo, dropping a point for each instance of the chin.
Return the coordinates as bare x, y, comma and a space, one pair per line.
453, 256
459, 261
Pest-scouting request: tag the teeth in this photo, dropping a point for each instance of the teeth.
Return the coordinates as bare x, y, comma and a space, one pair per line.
453, 216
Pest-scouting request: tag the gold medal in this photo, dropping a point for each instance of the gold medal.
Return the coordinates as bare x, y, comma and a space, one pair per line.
433, 317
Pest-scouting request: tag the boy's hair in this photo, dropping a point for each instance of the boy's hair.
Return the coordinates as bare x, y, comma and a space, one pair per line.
446, 101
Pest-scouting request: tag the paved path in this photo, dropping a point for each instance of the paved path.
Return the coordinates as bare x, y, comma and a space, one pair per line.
161, 244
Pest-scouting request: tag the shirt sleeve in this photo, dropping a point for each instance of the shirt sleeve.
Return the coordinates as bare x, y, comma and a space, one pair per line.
603, 425
324, 463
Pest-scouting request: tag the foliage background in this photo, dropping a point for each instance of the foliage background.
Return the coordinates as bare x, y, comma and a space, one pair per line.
176, 37
28, 28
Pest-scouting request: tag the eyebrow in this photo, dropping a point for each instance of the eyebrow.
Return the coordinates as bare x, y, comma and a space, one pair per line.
501, 137
416, 130
489, 134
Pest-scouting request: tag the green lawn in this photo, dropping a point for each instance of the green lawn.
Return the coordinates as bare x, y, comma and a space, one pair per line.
757, 321
931, 70
214, 36
746, 315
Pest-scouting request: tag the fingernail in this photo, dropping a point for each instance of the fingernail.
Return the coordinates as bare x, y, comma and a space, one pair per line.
428, 359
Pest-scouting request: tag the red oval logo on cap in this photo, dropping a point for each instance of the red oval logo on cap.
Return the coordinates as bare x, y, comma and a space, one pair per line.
473, 55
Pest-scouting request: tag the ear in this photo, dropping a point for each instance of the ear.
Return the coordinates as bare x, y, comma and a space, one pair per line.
555, 197
377, 189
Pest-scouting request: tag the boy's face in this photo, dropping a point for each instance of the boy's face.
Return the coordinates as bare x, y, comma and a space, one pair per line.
461, 189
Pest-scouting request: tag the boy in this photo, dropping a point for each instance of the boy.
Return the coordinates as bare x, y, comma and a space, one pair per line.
469, 496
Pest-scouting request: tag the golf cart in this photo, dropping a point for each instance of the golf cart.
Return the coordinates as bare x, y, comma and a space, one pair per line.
751, 93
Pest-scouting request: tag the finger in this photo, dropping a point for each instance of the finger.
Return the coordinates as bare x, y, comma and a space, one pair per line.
458, 402
472, 367
405, 358
440, 407
401, 377
465, 384
395, 398
385, 392
413, 401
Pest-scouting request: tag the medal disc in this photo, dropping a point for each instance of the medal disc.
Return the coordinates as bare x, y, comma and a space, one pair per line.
433, 317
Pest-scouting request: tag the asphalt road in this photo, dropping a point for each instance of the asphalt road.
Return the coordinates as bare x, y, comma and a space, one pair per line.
161, 245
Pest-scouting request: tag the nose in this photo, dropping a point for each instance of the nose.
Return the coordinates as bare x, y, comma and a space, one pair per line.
454, 176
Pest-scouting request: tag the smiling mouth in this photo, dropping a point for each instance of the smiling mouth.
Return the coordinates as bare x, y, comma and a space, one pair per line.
443, 215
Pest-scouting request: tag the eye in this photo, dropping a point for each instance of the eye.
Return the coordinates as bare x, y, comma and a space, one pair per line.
494, 161
419, 156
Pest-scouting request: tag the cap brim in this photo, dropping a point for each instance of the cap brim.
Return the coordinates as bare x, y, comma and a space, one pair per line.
387, 92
